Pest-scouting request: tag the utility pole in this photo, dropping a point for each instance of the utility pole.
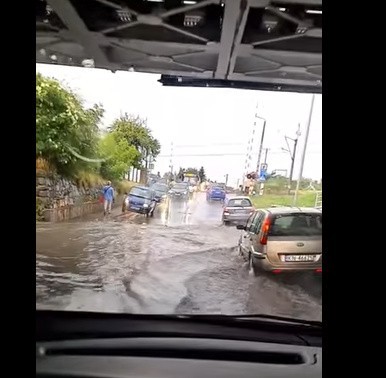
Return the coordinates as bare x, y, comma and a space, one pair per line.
292, 155
171, 159
304, 151
261, 144
226, 179
266, 153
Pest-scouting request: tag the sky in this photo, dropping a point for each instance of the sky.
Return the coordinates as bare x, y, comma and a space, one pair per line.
208, 127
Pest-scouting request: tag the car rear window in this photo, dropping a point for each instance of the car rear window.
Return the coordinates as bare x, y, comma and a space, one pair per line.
239, 203
296, 225
218, 188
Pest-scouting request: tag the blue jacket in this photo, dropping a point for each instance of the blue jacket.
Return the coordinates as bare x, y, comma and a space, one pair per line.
108, 193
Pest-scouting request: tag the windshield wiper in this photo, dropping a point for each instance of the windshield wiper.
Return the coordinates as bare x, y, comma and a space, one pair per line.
313, 323
264, 317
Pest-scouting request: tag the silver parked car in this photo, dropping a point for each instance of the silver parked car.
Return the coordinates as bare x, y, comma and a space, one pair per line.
237, 209
283, 239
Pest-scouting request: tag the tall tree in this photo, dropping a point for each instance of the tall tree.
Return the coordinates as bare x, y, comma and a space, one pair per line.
136, 133
118, 155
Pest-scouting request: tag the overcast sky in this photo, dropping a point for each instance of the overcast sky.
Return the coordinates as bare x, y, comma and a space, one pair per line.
209, 121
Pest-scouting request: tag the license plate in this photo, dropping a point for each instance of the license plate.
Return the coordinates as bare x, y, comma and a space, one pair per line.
296, 258
239, 211
135, 207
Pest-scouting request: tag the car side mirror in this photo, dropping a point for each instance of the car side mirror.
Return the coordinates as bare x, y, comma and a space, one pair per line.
241, 227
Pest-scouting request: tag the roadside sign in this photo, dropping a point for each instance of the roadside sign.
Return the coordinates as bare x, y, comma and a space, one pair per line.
263, 172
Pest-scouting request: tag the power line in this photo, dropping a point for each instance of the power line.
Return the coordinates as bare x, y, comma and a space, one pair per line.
229, 154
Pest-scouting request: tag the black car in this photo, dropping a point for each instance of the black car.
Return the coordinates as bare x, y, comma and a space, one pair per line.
161, 191
140, 200
180, 190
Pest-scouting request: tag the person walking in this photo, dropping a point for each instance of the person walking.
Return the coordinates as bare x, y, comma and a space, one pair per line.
108, 195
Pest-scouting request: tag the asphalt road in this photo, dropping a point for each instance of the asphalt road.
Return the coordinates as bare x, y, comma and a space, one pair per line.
181, 261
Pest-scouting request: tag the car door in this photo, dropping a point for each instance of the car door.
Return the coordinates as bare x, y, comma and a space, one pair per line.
245, 237
255, 233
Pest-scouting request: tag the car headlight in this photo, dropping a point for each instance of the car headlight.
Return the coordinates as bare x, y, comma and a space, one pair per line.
164, 196
145, 205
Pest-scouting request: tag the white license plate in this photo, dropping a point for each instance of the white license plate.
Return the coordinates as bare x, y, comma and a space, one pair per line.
135, 207
296, 258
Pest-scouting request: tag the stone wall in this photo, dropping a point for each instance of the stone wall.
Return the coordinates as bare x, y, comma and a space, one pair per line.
59, 199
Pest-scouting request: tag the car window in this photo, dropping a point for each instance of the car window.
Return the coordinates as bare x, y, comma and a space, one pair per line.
296, 225
239, 202
250, 221
257, 221
180, 186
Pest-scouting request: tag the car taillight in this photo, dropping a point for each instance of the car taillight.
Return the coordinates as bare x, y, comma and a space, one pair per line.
264, 231
318, 270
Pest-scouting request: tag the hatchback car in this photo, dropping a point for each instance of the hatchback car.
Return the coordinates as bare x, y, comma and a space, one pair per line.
140, 200
216, 193
237, 209
283, 239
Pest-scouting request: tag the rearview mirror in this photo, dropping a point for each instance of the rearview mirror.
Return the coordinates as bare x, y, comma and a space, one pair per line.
241, 227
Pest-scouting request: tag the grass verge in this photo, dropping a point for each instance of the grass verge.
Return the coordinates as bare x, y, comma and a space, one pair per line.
305, 199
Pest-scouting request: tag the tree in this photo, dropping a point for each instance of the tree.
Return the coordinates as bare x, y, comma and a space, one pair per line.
136, 133
201, 174
118, 155
65, 130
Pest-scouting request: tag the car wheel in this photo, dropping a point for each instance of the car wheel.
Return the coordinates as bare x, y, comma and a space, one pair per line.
225, 222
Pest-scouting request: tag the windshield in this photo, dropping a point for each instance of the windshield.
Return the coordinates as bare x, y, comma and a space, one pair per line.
180, 186
140, 192
239, 203
102, 135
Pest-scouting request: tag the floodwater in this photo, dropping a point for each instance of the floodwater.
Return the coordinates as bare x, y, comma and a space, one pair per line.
181, 261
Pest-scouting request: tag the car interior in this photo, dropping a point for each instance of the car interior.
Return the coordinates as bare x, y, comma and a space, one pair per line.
248, 44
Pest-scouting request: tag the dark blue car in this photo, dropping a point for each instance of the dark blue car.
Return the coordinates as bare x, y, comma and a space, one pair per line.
216, 193
141, 200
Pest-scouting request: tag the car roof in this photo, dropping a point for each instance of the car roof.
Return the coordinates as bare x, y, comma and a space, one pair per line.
292, 210
240, 197
232, 46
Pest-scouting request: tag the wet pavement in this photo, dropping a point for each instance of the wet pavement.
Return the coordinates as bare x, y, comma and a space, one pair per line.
181, 261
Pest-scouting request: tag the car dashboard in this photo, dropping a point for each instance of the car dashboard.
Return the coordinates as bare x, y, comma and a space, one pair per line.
152, 347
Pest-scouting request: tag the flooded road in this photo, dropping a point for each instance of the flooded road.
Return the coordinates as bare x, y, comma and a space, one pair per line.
181, 261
